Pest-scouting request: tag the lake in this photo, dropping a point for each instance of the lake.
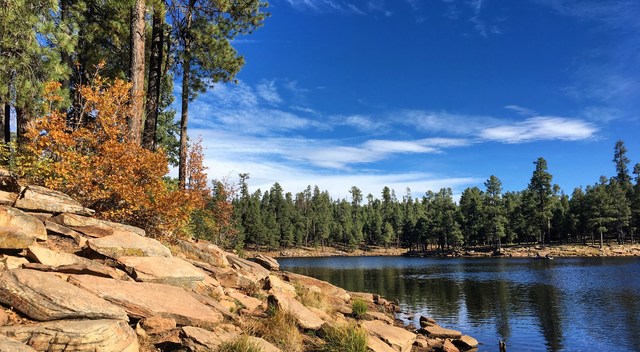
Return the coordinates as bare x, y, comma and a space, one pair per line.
565, 304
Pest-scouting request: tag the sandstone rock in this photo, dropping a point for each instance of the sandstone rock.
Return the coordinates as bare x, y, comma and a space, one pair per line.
250, 303
12, 262
156, 324
435, 344
37, 198
95, 227
14, 223
328, 289
209, 287
377, 345
449, 346
43, 296
465, 343
128, 244
365, 296
76, 336
426, 321
275, 284
8, 198
440, 332
65, 231
11, 237
207, 252
200, 340
162, 270
262, 344
46, 256
251, 271
379, 316
398, 338
304, 317
4, 317
94, 269
144, 299
9, 345
8, 181
225, 276
267, 262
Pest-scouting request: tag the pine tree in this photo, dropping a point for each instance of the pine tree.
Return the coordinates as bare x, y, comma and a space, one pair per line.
471, 210
494, 217
539, 200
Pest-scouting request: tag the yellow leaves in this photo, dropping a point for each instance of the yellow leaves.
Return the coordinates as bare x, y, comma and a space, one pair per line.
96, 163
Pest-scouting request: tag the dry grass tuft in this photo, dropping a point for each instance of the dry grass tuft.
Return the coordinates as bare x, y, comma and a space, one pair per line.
280, 329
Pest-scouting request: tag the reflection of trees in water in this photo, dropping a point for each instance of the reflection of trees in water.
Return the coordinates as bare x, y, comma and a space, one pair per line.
546, 306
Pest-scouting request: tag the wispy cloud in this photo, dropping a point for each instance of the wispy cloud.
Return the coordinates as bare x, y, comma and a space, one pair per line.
521, 110
539, 129
325, 6
268, 91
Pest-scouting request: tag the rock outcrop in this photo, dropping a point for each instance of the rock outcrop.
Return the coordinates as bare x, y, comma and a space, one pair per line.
41, 199
128, 244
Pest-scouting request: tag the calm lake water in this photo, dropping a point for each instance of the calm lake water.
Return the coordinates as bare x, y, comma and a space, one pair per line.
565, 304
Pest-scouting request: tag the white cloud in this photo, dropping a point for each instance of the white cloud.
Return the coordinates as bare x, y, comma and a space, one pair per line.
541, 128
442, 121
521, 110
269, 92
324, 6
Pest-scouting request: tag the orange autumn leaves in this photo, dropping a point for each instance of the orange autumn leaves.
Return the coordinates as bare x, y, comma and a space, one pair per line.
93, 159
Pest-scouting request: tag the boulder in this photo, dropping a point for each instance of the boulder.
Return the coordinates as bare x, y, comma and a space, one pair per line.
169, 271
398, 338
448, 346
156, 324
426, 321
144, 299
376, 345
11, 262
207, 252
41, 199
250, 303
267, 262
209, 287
8, 198
43, 296
225, 276
251, 270
65, 231
128, 244
465, 343
200, 340
76, 336
275, 284
95, 227
378, 316
440, 332
9, 345
304, 317
95, 269
18, 228
4, 317
334, 292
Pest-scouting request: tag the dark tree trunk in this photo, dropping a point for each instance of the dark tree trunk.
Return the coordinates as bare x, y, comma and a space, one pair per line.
4, 122
137, 71
155, 79
64, 55
186, 77
21, 126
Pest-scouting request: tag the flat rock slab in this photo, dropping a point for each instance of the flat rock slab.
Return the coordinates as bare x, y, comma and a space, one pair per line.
14, 223
76, 336
8, 198
201, 340
247, 267
42, 199
65, 231
46, 256
207, 252
95, 227
440, 332
144, 299
399, 339
262, 344
43, 296
267, 262
128, 244
305, 318
250, 303
9, 345
169, 271
328, 289
377, 345
465, 343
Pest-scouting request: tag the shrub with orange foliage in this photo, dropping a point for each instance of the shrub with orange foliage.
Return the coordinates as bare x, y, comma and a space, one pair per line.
97, 163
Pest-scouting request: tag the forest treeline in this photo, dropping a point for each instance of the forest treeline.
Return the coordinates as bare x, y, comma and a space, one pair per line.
608, 210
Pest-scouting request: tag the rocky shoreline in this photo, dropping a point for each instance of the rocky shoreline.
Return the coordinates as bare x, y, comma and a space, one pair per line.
515, 251
70, 282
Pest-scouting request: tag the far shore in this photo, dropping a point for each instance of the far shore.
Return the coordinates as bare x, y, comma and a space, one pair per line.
515, 251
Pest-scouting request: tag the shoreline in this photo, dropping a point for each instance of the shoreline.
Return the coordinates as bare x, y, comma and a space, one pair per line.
510, 251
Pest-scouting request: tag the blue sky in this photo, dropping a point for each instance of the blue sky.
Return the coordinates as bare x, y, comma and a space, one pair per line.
427, 94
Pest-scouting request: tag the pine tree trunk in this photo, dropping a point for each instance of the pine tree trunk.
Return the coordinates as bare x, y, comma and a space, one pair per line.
137, 71
186, 77
21, 126
5, 110
64, 55
155, 78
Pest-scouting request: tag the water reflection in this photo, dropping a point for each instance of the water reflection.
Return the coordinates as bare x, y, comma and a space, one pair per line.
560, 305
